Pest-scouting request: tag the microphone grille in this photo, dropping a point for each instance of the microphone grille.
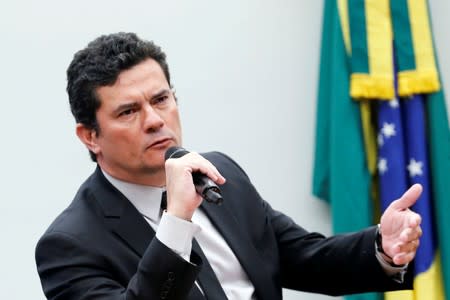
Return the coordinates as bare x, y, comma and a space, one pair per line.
175, 152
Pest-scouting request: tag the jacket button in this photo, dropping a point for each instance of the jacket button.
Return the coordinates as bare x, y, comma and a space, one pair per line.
171, 276
167, 285
163, 295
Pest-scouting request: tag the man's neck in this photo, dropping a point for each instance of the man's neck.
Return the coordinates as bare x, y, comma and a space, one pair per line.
154, 178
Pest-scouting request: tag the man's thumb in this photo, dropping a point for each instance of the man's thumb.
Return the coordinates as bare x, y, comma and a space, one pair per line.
409, 197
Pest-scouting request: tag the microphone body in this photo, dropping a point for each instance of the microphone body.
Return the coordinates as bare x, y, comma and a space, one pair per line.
204, 186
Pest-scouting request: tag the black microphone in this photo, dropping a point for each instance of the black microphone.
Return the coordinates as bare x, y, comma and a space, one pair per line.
204, 186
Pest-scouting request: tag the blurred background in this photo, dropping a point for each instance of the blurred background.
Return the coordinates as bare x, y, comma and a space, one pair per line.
246, 76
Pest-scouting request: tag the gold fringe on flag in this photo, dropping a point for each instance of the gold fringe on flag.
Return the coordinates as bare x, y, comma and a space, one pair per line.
371, 51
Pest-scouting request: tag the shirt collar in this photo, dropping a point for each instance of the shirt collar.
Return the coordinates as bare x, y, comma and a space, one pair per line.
146, 199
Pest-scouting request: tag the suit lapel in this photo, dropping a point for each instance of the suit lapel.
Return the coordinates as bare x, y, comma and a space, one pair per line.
124, 219
120, 215
239, 242
134, 230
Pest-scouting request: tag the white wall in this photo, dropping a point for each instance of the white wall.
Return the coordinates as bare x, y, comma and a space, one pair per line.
245, 74
441, 22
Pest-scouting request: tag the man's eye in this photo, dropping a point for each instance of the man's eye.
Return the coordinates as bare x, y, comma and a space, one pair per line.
161, 99
127, 112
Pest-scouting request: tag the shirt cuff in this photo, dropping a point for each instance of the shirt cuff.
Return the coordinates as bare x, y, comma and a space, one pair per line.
177, 234
397, 273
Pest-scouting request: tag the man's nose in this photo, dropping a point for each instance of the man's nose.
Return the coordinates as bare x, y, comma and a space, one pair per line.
152, 119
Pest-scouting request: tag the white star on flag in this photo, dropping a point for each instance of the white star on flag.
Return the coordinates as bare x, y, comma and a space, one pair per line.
388, 129
414, 168
393, 103
380, 140
382, 165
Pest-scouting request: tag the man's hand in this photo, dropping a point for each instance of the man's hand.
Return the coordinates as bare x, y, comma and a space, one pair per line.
400, 227
182, 199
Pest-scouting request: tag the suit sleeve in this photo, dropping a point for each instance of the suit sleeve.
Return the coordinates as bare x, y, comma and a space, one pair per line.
337, 265
308, 261
69, 269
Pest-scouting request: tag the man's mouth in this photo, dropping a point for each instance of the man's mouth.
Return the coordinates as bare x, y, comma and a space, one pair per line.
159, 143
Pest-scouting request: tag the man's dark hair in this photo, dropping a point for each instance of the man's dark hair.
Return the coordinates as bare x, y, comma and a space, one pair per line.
99, 64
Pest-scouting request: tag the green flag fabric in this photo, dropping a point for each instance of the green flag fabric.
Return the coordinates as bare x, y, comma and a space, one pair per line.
341, 176
439, 145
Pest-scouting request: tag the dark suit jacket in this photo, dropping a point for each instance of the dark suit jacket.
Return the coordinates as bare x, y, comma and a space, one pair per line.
100, 247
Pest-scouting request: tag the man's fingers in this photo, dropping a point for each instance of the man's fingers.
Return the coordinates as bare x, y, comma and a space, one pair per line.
408, 198
408, 247
415, 220
404, 258
405, 252
410, 234
198, 163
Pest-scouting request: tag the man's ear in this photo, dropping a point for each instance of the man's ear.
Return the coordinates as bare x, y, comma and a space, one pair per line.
88, 136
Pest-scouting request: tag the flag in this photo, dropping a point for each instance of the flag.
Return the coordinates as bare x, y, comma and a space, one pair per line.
403, 161
411, 133
439, 153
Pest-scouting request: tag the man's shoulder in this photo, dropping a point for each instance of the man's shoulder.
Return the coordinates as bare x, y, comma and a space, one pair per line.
214, 155
223, 162
79, 216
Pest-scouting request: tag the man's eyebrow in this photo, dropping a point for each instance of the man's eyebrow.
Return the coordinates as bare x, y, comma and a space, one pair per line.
161, 93
130, 105
125, 106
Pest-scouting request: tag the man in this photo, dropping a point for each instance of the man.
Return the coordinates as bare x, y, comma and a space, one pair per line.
112, 242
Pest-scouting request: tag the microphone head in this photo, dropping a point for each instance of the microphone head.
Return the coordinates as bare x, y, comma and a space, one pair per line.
175, 152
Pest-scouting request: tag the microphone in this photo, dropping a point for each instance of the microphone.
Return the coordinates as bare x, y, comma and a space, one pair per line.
204, 186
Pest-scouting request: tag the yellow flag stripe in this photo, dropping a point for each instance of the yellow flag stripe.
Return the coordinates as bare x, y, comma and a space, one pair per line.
379, 83
369, 136
379, 35
425, 78
343, 17
427, 285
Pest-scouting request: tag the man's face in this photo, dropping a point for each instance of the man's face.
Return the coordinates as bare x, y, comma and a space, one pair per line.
138, 120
